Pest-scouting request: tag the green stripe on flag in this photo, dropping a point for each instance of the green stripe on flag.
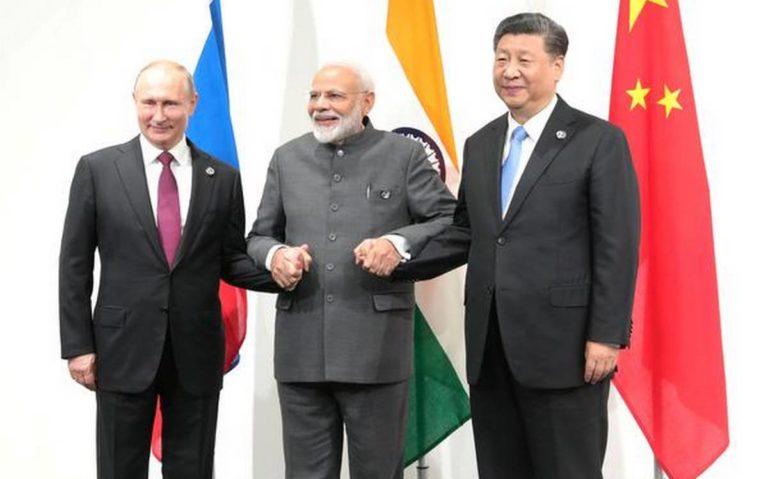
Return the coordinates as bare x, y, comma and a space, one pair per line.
438, 403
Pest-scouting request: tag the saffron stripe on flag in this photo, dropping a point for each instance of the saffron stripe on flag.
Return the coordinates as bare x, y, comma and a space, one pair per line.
439, 403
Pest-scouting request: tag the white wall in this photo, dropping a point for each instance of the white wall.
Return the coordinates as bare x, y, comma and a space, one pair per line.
66, 71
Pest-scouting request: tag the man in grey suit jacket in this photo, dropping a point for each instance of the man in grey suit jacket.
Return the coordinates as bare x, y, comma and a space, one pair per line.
347, 193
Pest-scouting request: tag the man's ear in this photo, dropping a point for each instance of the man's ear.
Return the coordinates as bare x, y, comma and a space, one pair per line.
193, 103
368, 100
559, 65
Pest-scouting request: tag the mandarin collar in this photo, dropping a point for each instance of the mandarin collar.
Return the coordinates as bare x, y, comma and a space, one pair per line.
357, 140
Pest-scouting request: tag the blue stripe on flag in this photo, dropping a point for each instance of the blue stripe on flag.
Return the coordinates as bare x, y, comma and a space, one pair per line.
210, 128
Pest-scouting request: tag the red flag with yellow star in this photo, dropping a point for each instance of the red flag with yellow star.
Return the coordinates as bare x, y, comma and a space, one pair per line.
672, 376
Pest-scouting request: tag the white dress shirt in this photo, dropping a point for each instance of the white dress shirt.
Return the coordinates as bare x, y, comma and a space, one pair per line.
181, 166
533, 127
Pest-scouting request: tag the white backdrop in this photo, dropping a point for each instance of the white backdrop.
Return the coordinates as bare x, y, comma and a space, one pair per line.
66, 73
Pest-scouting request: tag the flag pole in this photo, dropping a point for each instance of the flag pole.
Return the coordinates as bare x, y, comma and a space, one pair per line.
421, 468
658, 473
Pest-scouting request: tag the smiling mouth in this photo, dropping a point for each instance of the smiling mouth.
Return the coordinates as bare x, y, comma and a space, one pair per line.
324, 121
512, 90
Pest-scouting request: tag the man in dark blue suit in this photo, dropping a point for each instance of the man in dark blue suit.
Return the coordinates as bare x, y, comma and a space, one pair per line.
548, 221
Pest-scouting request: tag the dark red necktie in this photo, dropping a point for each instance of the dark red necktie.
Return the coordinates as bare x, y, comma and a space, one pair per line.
168, 211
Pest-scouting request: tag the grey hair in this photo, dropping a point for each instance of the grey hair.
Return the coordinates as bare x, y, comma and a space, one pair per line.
555, 38
365, 79
172, 65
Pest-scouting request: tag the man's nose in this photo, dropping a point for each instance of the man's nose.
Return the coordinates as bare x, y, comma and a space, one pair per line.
158, 114
322, 103
512, 71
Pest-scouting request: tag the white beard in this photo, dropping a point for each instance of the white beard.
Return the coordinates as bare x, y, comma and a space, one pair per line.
347, 126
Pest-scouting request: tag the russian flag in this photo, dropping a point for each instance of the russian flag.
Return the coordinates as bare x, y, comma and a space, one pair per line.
210, 128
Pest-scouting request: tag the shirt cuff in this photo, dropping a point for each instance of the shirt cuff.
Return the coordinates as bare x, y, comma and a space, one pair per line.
401, 245
271, 254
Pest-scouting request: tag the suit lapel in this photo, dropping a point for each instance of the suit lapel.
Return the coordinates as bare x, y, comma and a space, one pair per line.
547, 147
494, 149
202, 187
130, 169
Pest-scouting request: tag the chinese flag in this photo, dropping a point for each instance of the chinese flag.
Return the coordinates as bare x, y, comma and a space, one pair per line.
672, 376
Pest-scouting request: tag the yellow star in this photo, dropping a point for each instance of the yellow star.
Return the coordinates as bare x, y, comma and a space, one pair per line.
638, 95
669, 100
637, 6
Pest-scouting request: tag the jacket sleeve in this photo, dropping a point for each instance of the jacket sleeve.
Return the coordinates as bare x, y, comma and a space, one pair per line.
269, 228
430, 204
614, 214
447, 249
239, 269
76, 257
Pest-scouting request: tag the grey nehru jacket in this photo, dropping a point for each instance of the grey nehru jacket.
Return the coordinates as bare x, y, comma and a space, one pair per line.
341, 323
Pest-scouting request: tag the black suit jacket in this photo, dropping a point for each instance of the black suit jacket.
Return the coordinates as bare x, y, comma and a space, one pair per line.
140, 297
561, 264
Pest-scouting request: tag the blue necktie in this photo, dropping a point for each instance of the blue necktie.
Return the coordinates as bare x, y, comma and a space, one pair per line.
509, 168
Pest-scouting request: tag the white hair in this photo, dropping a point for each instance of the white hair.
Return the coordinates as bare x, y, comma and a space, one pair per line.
365, 79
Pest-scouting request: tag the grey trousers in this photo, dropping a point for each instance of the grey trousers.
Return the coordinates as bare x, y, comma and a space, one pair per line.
316, 414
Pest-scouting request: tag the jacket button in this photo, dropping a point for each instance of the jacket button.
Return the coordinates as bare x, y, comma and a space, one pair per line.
330, 266
164, 310
334, 207
332, 236
501, 240
340, 153
489, 289
336, 177
329, 298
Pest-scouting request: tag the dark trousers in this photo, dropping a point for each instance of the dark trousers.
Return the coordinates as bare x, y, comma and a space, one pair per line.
316, 414
124, 428
527, 433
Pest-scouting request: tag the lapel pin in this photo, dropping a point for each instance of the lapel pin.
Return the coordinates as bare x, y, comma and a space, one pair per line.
385, 194
210, 171
561, 134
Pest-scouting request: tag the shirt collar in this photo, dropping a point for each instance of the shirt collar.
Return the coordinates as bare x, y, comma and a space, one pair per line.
180, 151
535, 124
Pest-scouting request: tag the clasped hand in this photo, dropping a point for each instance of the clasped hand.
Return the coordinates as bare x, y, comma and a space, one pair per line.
289, 264
377, 256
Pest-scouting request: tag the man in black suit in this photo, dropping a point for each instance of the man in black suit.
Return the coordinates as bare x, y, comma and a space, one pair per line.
548, 221
168, 222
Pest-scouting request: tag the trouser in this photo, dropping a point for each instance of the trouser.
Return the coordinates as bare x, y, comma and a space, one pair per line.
124, 428
523, 432
316, 414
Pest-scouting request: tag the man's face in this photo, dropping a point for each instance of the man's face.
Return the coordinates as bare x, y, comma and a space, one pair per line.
337, 104
164, 105
525, 76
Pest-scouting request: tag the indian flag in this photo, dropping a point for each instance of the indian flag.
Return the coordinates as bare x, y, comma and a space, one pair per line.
439, 403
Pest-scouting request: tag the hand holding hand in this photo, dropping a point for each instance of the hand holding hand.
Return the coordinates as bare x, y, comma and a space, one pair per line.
378, 256
83, 370
289, 264
600, 361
